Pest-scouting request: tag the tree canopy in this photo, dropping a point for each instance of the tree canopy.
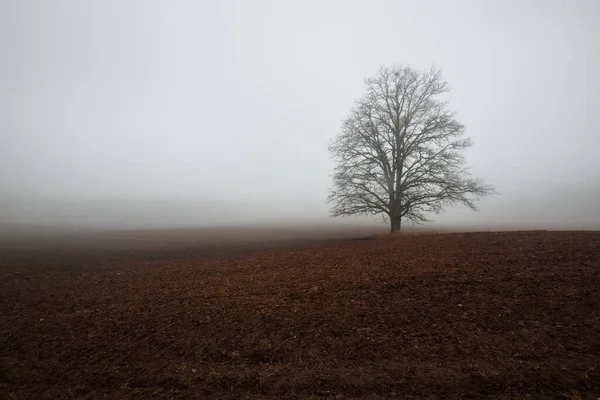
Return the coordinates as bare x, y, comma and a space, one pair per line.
399, 153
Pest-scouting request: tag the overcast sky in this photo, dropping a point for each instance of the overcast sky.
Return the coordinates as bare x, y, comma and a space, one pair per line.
231, 104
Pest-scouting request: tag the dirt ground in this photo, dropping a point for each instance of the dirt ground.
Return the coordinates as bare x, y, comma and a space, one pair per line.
465, 315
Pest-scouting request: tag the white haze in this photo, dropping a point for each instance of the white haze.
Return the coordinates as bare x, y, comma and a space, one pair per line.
172, 113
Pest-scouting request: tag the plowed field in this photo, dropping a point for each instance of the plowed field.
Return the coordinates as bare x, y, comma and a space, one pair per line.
466, 315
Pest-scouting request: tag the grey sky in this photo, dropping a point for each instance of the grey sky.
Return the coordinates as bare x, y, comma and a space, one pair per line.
232, 103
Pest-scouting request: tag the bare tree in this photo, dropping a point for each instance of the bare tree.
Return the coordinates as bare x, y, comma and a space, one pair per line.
399, 152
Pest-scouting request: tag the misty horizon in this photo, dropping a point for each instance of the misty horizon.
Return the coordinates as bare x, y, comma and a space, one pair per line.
147, 114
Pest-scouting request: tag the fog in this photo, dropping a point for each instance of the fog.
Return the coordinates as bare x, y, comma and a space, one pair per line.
193, 113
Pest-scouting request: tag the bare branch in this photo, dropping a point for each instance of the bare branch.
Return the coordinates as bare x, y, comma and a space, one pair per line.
399, 153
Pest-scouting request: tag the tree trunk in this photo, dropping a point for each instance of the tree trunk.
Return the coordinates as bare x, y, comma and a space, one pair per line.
395, 224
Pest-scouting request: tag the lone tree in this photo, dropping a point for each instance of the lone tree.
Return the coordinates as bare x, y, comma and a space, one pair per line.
399, 152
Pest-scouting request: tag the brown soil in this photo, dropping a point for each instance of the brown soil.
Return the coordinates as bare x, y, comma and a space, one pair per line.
469, 315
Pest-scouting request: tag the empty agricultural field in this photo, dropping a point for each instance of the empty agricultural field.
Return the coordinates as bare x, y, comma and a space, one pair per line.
461, 315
